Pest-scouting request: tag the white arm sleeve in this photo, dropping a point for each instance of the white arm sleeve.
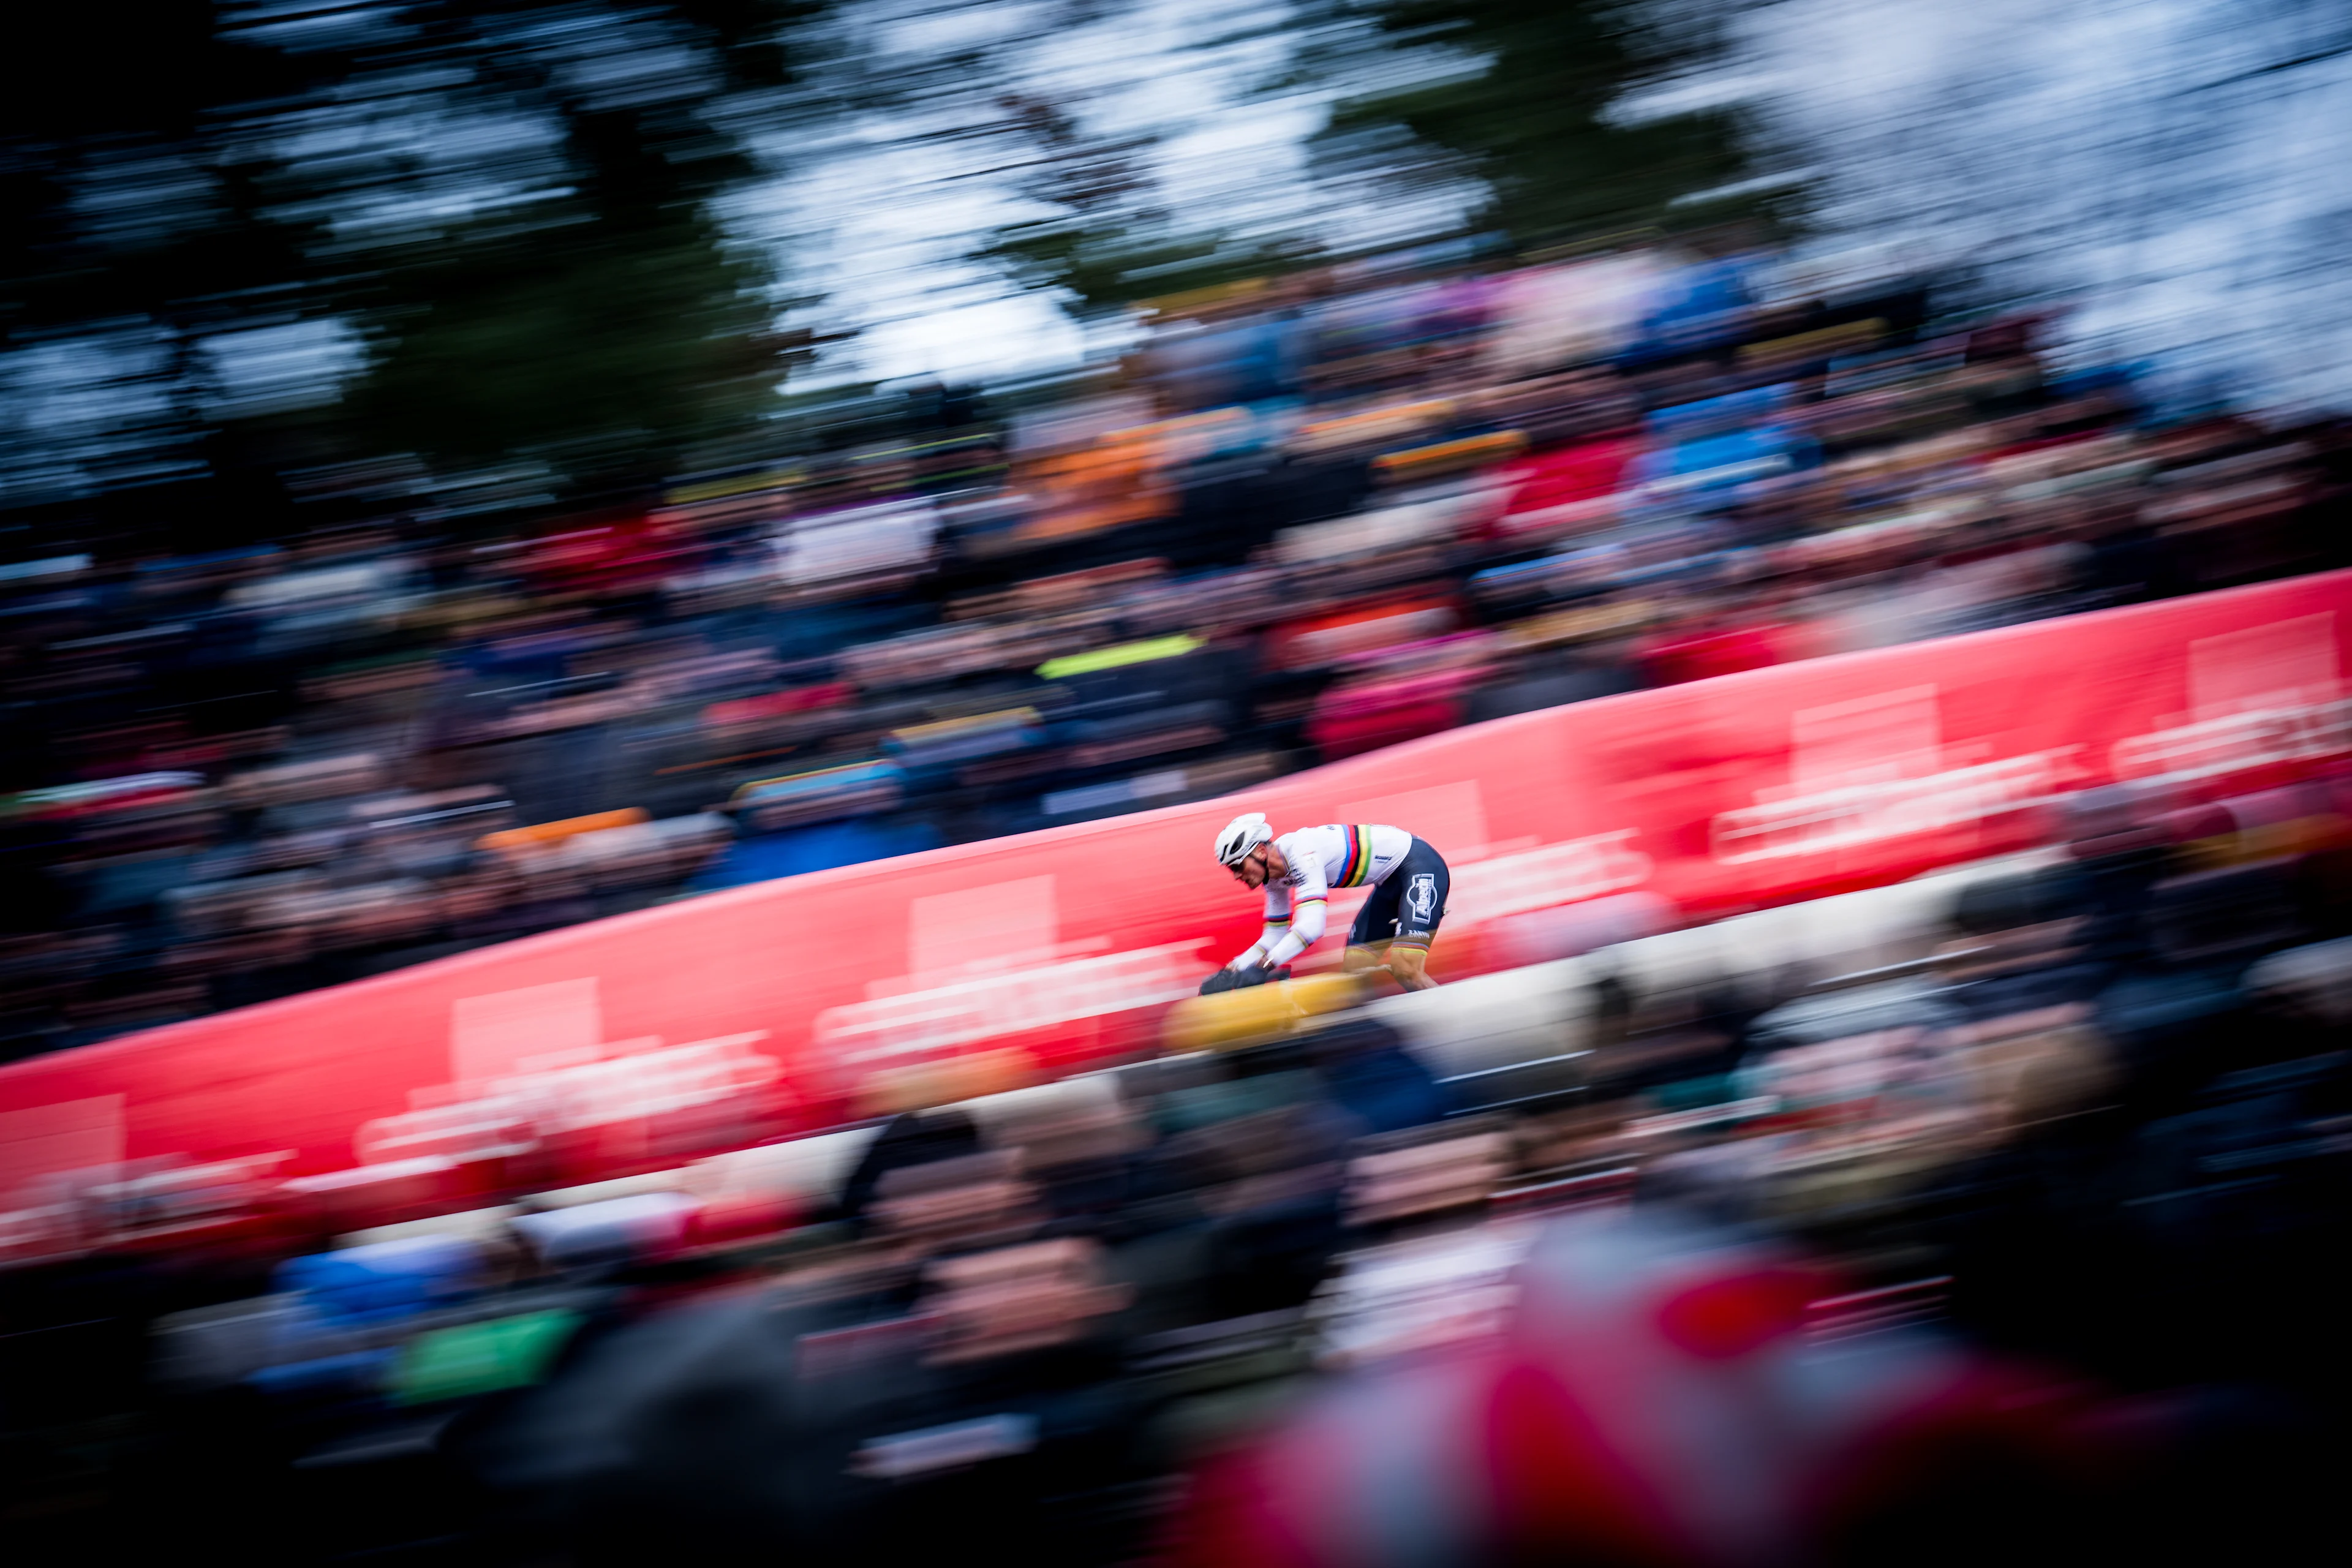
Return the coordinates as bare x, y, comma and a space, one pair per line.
1305, 931
1305, 894
1278, 927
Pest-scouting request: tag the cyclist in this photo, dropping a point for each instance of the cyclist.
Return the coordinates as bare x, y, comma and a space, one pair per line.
1392, 931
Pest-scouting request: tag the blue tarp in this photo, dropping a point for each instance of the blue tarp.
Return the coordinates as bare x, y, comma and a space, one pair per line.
1685, 421
383, 1280
1697, 307
767, 856
1737, 456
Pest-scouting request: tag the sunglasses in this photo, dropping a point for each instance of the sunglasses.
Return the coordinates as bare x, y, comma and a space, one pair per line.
1254, 857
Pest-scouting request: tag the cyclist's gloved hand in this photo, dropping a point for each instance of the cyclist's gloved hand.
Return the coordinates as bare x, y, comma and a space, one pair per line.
1255, 974
1221, 981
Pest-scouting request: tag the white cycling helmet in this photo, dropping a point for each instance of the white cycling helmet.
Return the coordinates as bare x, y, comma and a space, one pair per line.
1237, 838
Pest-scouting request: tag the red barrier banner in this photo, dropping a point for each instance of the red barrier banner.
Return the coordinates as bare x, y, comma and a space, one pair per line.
746, 1015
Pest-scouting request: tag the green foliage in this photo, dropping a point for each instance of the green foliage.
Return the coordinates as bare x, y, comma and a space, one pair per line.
628, 340
607, 328
208, 165
1105, 266
1510, 97
1527, 117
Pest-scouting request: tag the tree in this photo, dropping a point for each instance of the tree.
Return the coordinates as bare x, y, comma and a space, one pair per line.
611, 321
1520, 97
511, 204
1107, 242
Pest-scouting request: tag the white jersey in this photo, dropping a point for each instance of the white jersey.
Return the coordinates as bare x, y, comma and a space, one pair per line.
1335, 855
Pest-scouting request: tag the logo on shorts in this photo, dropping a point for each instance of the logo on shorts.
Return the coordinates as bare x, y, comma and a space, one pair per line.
1421, 901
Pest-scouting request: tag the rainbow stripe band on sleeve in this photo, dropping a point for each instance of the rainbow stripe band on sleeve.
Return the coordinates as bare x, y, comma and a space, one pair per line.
1359, 863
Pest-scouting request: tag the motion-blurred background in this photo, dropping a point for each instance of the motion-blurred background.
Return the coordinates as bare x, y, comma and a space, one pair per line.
467, 469
428, 421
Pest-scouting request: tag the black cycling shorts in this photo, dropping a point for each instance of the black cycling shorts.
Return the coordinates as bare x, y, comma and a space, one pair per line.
1407, 904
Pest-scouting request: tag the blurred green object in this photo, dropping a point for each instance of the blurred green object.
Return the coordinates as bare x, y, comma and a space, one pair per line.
1205, 1105
1113, 657
1690, 1093
481, 1358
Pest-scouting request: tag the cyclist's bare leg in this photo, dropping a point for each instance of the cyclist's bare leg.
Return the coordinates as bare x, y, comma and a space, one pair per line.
1411, 966
1408, 965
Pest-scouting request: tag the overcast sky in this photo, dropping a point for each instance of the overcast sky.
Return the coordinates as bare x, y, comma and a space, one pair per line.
2171, 171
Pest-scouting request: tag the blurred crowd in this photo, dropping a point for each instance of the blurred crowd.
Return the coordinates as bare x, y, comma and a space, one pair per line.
1302, 519
2018, 1245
